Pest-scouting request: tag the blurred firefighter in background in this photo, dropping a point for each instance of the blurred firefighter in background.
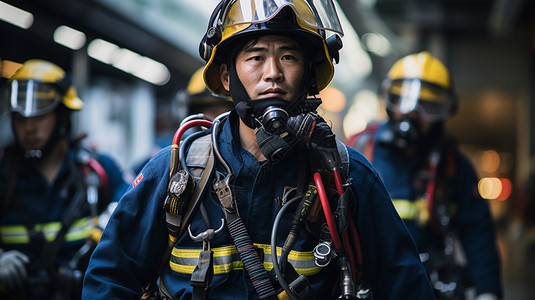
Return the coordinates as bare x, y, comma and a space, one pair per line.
196, 98
433, 186
189, 102
56, 194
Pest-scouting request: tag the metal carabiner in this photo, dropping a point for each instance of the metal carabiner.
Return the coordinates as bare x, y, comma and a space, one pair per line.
206, 235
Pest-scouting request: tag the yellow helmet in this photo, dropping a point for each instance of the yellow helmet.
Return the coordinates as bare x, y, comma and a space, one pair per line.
197, 98
38, 87
196, 84
420, 82
238, 18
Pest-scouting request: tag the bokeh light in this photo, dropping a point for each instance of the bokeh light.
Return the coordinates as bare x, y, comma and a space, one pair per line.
333, 100
490, 161
493, 188
366, 107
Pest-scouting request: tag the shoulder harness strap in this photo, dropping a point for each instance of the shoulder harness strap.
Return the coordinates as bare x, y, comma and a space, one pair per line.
365, 140
344, 156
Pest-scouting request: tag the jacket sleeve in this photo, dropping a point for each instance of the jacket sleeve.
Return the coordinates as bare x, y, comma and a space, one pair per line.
129, 253
391, 261
477, 233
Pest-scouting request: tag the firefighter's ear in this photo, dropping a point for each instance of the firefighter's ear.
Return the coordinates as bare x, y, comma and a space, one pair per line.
224, 76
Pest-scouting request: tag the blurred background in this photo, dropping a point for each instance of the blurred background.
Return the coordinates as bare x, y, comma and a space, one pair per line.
130, 58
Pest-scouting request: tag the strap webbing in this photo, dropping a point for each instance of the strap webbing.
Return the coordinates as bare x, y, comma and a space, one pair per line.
195, 200
77, 205
202, 275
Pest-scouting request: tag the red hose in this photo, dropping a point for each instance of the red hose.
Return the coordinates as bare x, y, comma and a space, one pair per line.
188, 125
338, 182
95, 165
349, 254
327, 211
356, 240
354, 234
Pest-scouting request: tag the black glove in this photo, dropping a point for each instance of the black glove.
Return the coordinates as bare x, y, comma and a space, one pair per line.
311, 128
323, 140
302, 126
323, 137
13, 272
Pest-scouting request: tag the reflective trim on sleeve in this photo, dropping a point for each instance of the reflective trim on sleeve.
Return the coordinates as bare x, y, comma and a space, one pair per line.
18, 234
412, 210
226, 259
407, 210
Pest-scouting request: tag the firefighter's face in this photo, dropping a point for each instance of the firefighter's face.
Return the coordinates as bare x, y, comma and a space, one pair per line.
273, 67
34, 132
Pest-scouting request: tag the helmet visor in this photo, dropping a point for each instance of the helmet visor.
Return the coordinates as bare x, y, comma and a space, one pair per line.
32, 98
318, 14
431, 101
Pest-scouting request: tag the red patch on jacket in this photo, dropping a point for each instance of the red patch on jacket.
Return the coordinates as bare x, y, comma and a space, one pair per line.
138, 179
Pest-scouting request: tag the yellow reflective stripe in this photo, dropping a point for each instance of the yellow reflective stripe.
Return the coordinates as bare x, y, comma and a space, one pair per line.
18, 234
80, 230
413, 210
226, 259
407, 210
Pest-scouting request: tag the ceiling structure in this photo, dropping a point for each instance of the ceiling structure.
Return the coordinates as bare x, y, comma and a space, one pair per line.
410, 24
169, 31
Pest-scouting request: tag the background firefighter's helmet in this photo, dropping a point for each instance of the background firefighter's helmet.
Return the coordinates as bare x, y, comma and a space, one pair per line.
233, 19
196, 98
38, 87
420, 82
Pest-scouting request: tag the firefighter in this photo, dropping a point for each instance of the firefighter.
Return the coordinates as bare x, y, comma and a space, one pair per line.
196, 99
433, 186
52, 189
269, 154
193, 100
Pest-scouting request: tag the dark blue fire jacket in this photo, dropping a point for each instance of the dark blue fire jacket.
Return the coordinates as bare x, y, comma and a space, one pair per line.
46, 205
129, 253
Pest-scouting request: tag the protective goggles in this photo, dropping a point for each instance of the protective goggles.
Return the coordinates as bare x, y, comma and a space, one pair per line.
431, 101
32, 98
318, 14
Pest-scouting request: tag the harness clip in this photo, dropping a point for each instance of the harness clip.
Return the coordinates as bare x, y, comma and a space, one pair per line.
224, 193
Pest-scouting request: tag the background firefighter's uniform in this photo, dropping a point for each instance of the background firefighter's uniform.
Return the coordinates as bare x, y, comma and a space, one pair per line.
46, 227
46, 205
433, 185
472, 220
120, 266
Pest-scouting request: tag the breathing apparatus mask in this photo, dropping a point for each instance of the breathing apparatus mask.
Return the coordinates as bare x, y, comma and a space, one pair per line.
400, 134
275, 121
415, 100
